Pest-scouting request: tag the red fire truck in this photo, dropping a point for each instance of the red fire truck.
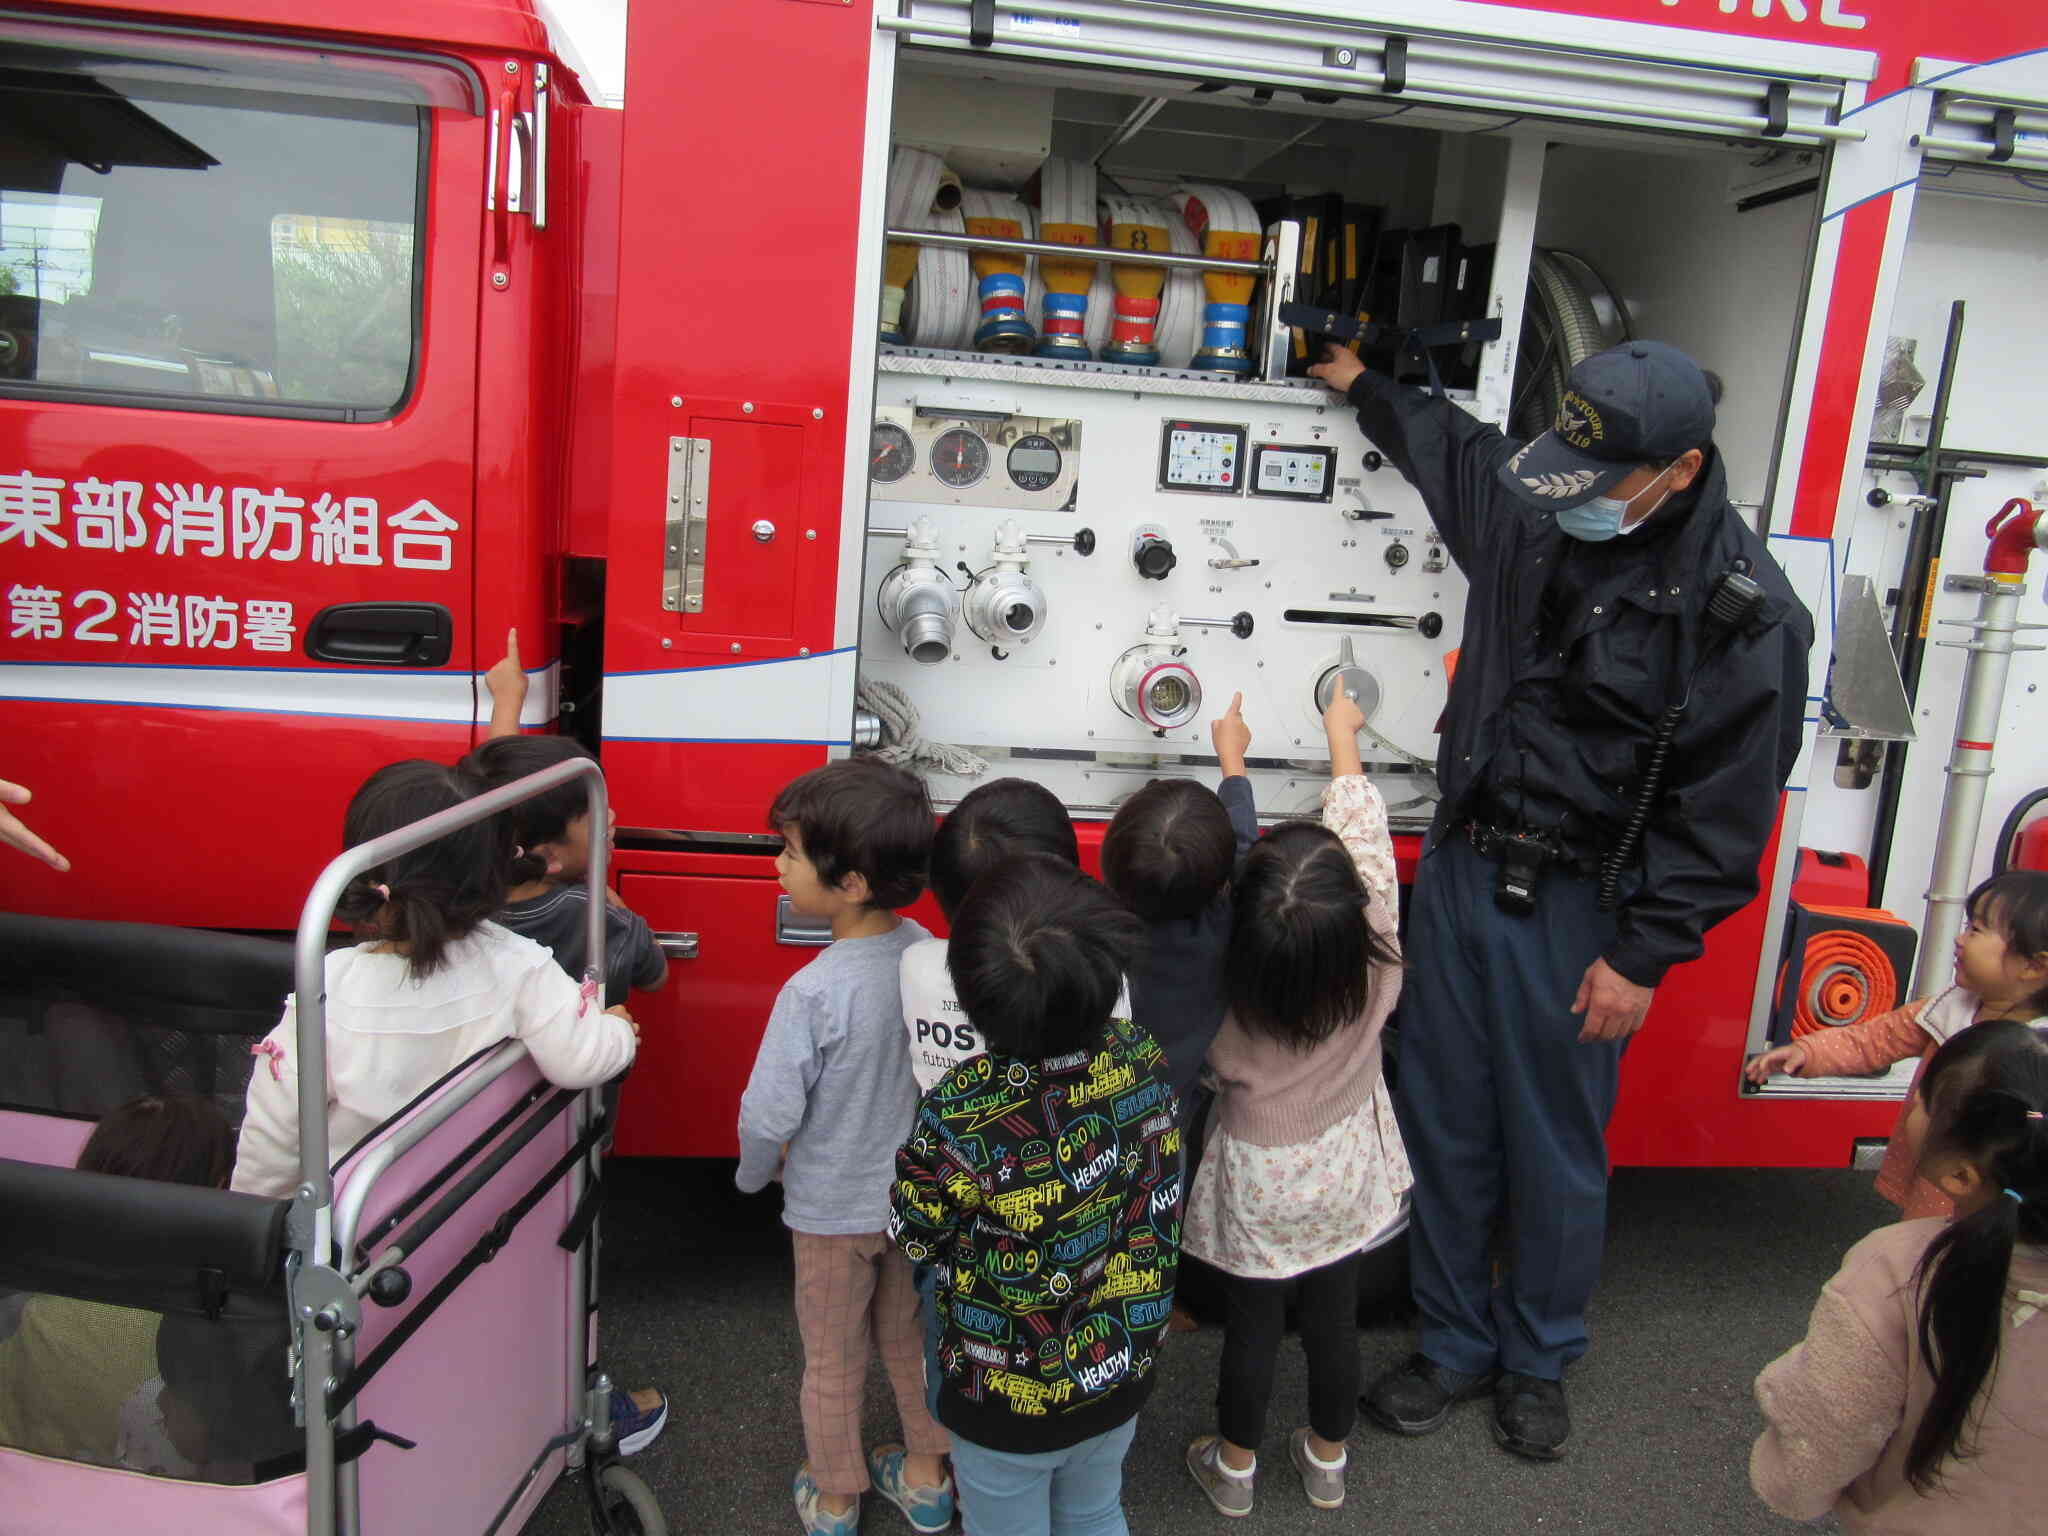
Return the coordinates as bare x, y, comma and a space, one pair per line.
911, 373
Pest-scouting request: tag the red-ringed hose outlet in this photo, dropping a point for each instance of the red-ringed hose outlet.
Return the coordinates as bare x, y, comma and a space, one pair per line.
2016, 532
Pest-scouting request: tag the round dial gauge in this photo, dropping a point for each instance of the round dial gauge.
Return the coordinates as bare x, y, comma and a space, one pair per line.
890, 454
1034, 462
959, 458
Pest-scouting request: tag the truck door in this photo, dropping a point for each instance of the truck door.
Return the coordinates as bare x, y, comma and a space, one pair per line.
238, 314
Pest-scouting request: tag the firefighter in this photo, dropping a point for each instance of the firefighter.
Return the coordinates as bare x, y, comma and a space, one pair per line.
1556, 888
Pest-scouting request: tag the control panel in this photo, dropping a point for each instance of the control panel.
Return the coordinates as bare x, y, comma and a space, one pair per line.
1073, 586
1292, 471
972, 457
1203, 456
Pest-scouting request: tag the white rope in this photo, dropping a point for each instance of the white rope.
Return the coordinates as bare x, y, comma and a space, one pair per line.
940, 310
902, 741
915, 176
1222, 207
1180, 306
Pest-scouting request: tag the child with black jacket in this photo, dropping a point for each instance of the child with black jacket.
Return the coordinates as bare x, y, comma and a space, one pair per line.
1046, 1176
1169, 853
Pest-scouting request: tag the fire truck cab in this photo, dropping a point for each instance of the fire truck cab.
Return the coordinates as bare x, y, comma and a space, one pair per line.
814, 388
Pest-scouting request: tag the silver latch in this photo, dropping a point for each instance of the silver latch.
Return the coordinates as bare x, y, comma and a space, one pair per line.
798, 928
687, 525
677, 946
764, 531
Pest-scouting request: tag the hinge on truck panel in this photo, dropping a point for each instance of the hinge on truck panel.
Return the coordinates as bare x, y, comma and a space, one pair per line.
687, 526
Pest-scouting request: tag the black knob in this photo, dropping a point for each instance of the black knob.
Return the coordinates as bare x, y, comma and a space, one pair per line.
390, 1287
1241, 625
1397, 555
1155, 559
1084, 542
1373, 460
1430, 625
1879, 496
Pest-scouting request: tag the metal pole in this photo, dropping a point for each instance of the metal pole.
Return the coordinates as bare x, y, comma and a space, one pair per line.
1969, 772
1113, 255
316, 1186
580, 1322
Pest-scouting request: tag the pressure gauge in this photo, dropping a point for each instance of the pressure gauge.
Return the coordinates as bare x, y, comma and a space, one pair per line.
890, 455
959, 458
1034, 462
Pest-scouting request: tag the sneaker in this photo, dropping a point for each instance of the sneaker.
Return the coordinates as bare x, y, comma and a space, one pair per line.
1415, 1397
1229, 1491
1529, 1416
929, 1510
1324, 1484
635, 1429
817, 1521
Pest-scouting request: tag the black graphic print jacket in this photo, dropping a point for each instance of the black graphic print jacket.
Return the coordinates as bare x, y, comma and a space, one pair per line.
1048, 1192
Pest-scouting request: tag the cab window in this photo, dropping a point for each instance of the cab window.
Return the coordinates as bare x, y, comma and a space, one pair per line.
208, 247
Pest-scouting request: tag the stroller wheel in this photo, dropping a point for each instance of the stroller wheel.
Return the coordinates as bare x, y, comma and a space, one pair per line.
628, 1504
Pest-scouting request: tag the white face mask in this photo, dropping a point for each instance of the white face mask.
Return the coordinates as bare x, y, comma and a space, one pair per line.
1605, 517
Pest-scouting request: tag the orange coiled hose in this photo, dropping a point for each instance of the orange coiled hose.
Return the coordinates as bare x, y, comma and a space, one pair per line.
1845, 977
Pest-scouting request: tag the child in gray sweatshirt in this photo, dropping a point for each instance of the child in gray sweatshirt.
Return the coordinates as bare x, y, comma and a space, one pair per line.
830, 1099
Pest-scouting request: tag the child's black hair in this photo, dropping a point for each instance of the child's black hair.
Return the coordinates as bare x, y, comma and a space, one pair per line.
1169, 849
1038, 955
177, 1138
2014, 906
438, 893
1301, 948
1985, 1093
544, 818
863, 816
995, 822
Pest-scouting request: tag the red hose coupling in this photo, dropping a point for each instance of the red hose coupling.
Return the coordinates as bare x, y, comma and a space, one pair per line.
2016, 532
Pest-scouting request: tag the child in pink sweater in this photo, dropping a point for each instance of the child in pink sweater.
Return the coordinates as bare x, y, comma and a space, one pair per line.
1305, 1170
1914, 1403
2001, 972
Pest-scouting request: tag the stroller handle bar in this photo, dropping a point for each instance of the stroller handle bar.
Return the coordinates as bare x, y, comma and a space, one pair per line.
317, 918
320, 1354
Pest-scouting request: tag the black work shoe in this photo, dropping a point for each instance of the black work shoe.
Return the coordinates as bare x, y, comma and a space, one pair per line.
1416, 1396
1529, 1416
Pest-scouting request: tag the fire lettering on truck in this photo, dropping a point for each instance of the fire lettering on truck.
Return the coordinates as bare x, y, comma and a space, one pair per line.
188, 621
198, 522
221, 522
1832, 13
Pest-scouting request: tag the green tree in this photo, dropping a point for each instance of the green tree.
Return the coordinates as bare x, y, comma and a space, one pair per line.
344, 317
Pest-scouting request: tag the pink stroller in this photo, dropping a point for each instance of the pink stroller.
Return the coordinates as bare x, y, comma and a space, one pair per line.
404, 1346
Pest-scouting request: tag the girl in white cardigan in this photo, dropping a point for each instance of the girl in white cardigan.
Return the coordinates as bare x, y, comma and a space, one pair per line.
432, 983
1304, 1169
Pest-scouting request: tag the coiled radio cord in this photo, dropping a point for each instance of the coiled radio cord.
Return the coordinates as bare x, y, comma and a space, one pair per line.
1735, 600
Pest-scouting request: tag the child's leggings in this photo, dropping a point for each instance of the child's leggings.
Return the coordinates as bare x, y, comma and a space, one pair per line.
1073, 1492
851, 1291
1326, 1309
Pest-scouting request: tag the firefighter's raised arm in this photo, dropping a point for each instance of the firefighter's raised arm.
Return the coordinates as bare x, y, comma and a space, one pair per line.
15, 835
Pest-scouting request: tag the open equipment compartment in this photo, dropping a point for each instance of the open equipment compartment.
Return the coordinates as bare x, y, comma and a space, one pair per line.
1072, 564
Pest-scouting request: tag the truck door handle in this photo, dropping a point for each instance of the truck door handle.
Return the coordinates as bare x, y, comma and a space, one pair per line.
793, 927
382, 635
677, 946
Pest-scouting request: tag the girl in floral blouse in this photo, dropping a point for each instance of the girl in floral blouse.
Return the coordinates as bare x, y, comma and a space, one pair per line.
1304, 1170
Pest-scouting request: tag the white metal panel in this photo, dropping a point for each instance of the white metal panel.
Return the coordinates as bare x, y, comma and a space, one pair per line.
1390, 59
1053, 694
1994, 113
1992, 253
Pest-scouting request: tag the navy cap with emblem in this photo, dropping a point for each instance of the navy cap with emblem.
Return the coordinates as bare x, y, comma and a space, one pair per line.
1639, 403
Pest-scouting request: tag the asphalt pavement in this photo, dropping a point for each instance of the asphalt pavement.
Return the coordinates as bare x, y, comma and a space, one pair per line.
1709, 1275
